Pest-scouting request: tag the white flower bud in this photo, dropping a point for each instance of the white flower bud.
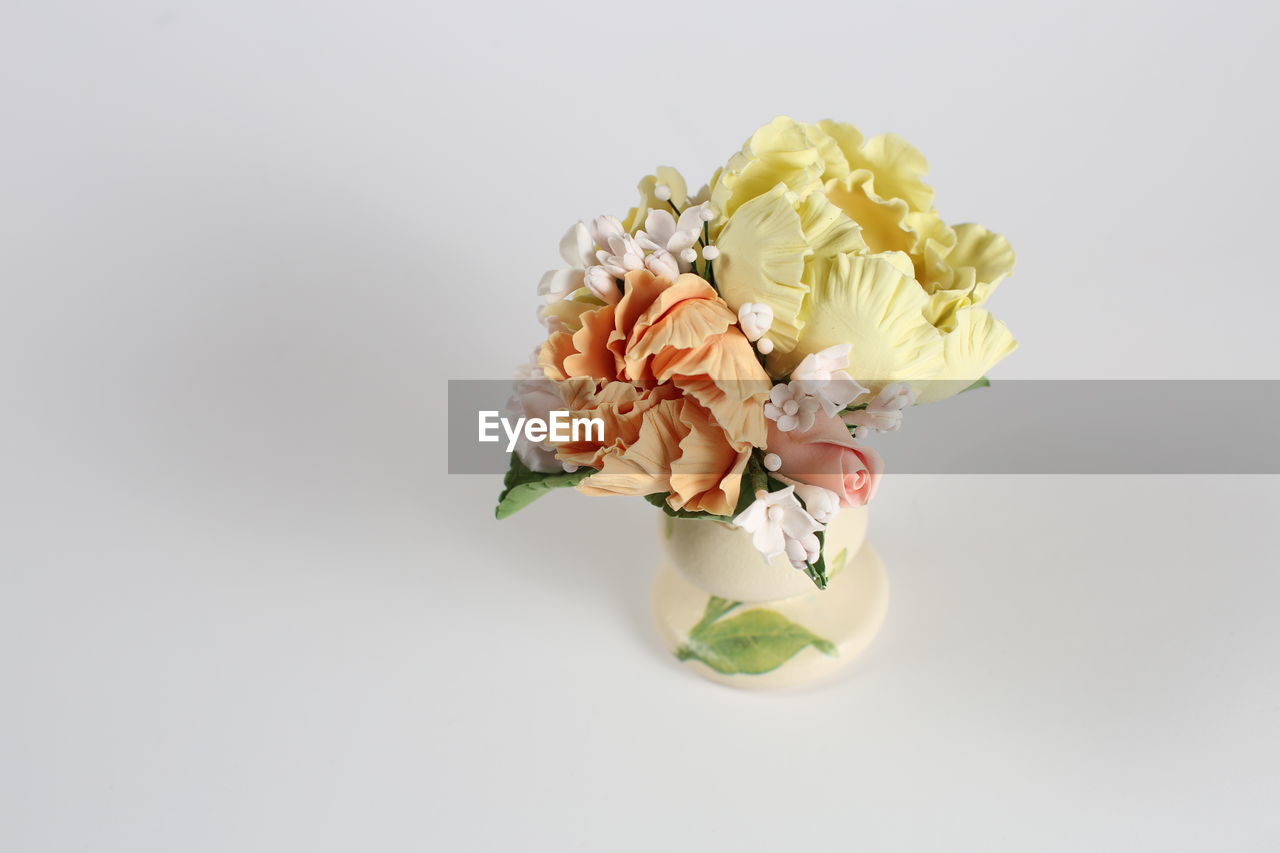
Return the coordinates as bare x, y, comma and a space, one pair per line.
822, 504
755, 318
663, 264
602, 283
662, 192
803, 550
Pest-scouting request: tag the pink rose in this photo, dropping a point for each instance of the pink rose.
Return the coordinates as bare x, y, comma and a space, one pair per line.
826, 455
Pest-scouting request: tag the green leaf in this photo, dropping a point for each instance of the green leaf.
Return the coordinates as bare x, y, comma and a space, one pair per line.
984, 382
659, 499
716, 607
754, 642
522, 487
817, 571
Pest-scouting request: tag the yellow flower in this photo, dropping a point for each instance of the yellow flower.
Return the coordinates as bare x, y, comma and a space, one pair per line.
977, 343
798, 196
872, 303
762, 259
978, 261
768, 250
783, 151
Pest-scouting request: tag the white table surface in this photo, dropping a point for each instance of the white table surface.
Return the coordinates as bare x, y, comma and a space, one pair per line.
242, 606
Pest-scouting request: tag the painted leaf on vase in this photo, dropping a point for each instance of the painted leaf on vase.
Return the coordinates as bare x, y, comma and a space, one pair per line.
752, 643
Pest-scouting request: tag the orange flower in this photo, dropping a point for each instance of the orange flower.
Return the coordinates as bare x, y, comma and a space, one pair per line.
678, 386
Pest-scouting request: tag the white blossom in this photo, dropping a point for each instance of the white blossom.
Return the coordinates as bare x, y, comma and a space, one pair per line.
884, 413
623, 255
601, 252
663, 264
664, 232
822, 504
606, 228
755, 319
778, 524
822, 375
791, 408
580, 248
557, 284
804, 550
602, 284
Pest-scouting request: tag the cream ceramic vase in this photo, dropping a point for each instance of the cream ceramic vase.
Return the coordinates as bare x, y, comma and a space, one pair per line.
736, 619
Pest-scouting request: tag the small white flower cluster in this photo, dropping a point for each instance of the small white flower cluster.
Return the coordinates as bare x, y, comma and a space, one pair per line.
601, 252
884, 412
819, 382
791, 408
779, 524
787, 522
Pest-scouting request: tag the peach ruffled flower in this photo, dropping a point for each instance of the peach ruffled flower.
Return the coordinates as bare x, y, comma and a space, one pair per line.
678, 386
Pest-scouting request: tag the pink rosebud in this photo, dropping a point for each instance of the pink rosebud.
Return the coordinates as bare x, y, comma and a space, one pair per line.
826, 455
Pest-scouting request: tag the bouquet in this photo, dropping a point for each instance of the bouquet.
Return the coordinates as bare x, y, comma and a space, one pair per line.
734, 347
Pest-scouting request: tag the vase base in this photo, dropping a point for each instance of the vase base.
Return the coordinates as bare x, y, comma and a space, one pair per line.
776, 643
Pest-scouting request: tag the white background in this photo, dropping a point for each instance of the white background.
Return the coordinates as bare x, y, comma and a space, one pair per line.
242, 607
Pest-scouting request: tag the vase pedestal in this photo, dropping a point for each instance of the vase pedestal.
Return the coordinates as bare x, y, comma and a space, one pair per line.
733, 618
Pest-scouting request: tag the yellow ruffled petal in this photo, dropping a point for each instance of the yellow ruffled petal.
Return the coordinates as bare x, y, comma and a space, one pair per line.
901, 261
986, 254
664, 175
964, 274
762, 259
835, 163
945, 305
883, 220
847, 138
870, 303
827, 229
977, 344
898, 167
780, 152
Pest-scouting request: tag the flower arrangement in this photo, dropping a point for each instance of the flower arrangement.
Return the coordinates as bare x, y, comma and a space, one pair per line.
740, 343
